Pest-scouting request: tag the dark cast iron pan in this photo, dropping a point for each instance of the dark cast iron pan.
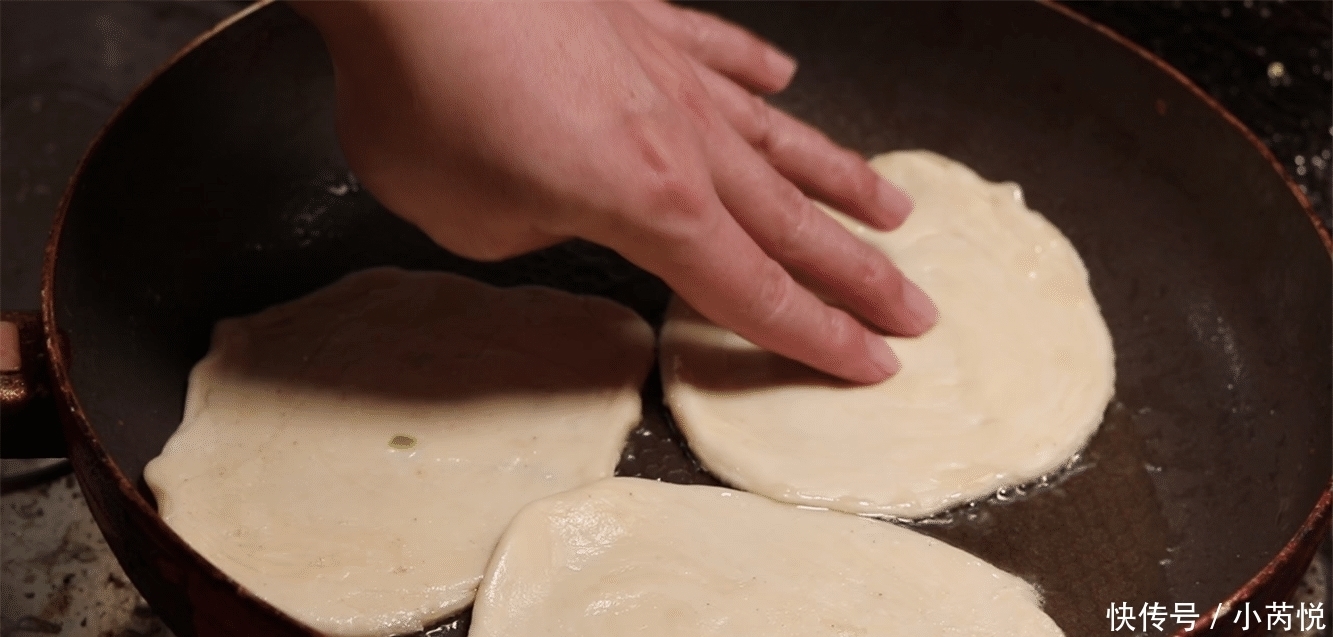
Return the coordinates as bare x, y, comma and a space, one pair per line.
219, 190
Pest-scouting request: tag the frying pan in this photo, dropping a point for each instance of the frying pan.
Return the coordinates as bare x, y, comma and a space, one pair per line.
219, 190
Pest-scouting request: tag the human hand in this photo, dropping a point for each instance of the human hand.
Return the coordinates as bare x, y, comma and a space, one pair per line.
503, 128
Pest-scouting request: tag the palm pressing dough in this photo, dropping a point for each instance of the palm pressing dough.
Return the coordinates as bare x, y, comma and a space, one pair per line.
1008, 385
353, 456
626, 556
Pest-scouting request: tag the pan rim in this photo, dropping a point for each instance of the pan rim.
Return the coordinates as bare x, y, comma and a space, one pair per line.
71, 412
75, 420
1305, 542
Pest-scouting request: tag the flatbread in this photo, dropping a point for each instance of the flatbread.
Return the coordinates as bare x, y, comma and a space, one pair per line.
1009, 384
626, 556
353, 456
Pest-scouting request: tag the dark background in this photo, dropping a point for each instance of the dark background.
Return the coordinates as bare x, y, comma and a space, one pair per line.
1229, 49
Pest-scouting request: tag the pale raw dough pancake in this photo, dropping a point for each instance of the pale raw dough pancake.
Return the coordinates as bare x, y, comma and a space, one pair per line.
353, 456
1010, 383
626, 556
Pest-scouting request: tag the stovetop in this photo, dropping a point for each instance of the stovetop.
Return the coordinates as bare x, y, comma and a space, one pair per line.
65, 66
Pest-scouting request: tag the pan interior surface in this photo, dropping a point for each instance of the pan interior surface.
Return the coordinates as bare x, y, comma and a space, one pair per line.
220, 191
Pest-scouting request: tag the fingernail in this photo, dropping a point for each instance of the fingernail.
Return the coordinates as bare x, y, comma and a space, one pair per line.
781, 65
896, 202
922, 308
882, 354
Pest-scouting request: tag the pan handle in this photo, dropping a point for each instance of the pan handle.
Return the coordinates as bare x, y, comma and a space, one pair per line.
29, 422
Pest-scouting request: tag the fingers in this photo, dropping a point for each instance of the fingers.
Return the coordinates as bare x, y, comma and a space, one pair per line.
808, 158
731, 50
787, 226
688, 227
725, 276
